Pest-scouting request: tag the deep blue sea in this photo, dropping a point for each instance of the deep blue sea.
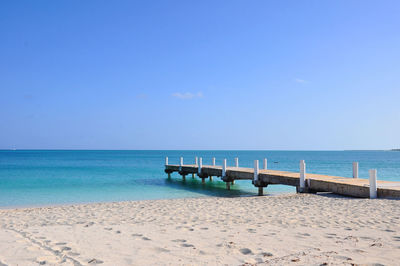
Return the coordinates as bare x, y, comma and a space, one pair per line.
52, 177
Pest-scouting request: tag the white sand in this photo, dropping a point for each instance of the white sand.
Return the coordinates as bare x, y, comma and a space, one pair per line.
277, 230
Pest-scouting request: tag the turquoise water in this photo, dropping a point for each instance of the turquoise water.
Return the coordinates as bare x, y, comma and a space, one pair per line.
36, 178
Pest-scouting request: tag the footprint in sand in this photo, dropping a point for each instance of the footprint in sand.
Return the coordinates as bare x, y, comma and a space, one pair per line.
266, 254
89, 224
61, 243
376, 243
245, 251
179, 240
389, 230
366, 238
351, 238
95, 261
185, 245
137, 236
108, 228
146, 238
344, 258
158, 249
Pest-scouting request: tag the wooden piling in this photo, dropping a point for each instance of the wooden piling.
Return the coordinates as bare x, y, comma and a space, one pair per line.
260, 191
302, 183
228, 185
355, 169
224, 168
373, 186
233, 182
256, 170
200, 166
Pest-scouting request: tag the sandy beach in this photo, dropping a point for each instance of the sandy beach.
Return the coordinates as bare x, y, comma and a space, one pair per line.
299, 229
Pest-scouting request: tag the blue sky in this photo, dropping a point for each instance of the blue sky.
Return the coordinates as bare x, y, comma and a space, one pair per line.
291, 75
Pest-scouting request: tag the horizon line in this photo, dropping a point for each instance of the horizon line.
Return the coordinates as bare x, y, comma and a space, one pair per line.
66, 149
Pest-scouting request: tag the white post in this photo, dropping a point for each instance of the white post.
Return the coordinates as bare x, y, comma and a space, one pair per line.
181, 162
224, 168
236, 162
166, 160
355, 169
213, 161
265, 163
200, 165
256, 170
195, 160
373, 186
302, 174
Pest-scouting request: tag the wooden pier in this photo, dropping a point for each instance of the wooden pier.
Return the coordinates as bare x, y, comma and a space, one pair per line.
304, 182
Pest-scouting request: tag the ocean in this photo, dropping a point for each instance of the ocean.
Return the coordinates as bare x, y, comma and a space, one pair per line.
53, 177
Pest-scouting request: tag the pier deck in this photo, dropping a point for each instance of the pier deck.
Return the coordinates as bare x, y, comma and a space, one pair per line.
355, 187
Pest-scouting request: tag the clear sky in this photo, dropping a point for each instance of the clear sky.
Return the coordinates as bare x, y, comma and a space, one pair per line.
200, 74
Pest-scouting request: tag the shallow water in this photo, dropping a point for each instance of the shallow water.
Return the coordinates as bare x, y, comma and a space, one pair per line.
36, 177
